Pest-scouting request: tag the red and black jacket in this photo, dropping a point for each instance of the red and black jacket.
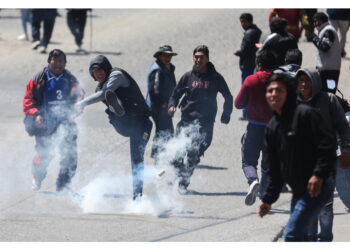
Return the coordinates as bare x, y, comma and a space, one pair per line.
34, 94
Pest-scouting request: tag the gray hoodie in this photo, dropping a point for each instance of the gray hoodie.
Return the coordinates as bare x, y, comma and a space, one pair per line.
329, 107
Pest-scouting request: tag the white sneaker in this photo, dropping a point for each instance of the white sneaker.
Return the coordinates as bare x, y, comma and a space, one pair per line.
182, 190
42, 50
35, 44
22, 37
252, 192
36, 184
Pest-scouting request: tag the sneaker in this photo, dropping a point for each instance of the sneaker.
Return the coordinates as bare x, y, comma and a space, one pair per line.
114, 104
36, 184
80, 50
35, 44
43, 50
182, 189
137, 196
22, 37
252, 192
184, 182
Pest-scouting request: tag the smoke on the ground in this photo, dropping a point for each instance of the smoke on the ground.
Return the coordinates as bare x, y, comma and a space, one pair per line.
113, 194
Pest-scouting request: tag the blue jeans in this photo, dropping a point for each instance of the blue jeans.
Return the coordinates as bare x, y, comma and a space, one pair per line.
326, 224
305, 211
326, 221
26, 18
252, 145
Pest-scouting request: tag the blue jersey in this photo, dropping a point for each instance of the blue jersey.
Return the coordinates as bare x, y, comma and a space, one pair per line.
56, 90
56, 96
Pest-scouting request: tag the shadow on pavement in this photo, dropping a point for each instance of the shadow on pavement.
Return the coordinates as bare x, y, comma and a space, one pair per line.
193, 192
210, 167
9, 17
85, 53
344, 213
278, 211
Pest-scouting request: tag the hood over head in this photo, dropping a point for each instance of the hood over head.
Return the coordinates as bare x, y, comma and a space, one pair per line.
315, 78
101, 62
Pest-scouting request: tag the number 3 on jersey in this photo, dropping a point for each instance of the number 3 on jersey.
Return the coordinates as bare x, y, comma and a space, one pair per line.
59, 94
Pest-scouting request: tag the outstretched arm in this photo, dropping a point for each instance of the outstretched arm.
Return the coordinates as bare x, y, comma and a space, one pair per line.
115, 80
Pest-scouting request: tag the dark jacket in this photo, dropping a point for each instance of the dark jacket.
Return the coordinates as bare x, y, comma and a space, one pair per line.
128, 91
299, 145
248, 49
279, 44
329, 107
161, 83
200, 90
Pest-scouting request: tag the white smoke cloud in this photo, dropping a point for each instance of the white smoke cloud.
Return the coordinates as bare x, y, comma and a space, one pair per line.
112, 194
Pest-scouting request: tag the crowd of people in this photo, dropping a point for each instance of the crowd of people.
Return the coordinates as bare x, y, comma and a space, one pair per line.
35, 18
295, 120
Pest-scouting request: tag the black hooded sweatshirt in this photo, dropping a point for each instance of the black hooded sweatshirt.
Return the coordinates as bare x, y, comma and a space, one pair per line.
200, 90
299, 145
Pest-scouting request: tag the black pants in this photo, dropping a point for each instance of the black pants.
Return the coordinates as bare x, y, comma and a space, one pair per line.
164, 131
65, 138
201, 140
48, 17
329, 75
76, 20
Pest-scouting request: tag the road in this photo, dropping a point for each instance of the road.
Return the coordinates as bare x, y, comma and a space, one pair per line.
214, 210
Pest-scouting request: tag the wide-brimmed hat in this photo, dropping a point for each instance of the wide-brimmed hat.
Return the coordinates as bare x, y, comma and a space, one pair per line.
165, 49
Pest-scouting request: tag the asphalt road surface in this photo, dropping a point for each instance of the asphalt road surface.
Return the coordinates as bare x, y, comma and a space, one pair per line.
101, 209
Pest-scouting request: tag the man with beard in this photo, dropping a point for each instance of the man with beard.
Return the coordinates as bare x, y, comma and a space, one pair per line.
200, 87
